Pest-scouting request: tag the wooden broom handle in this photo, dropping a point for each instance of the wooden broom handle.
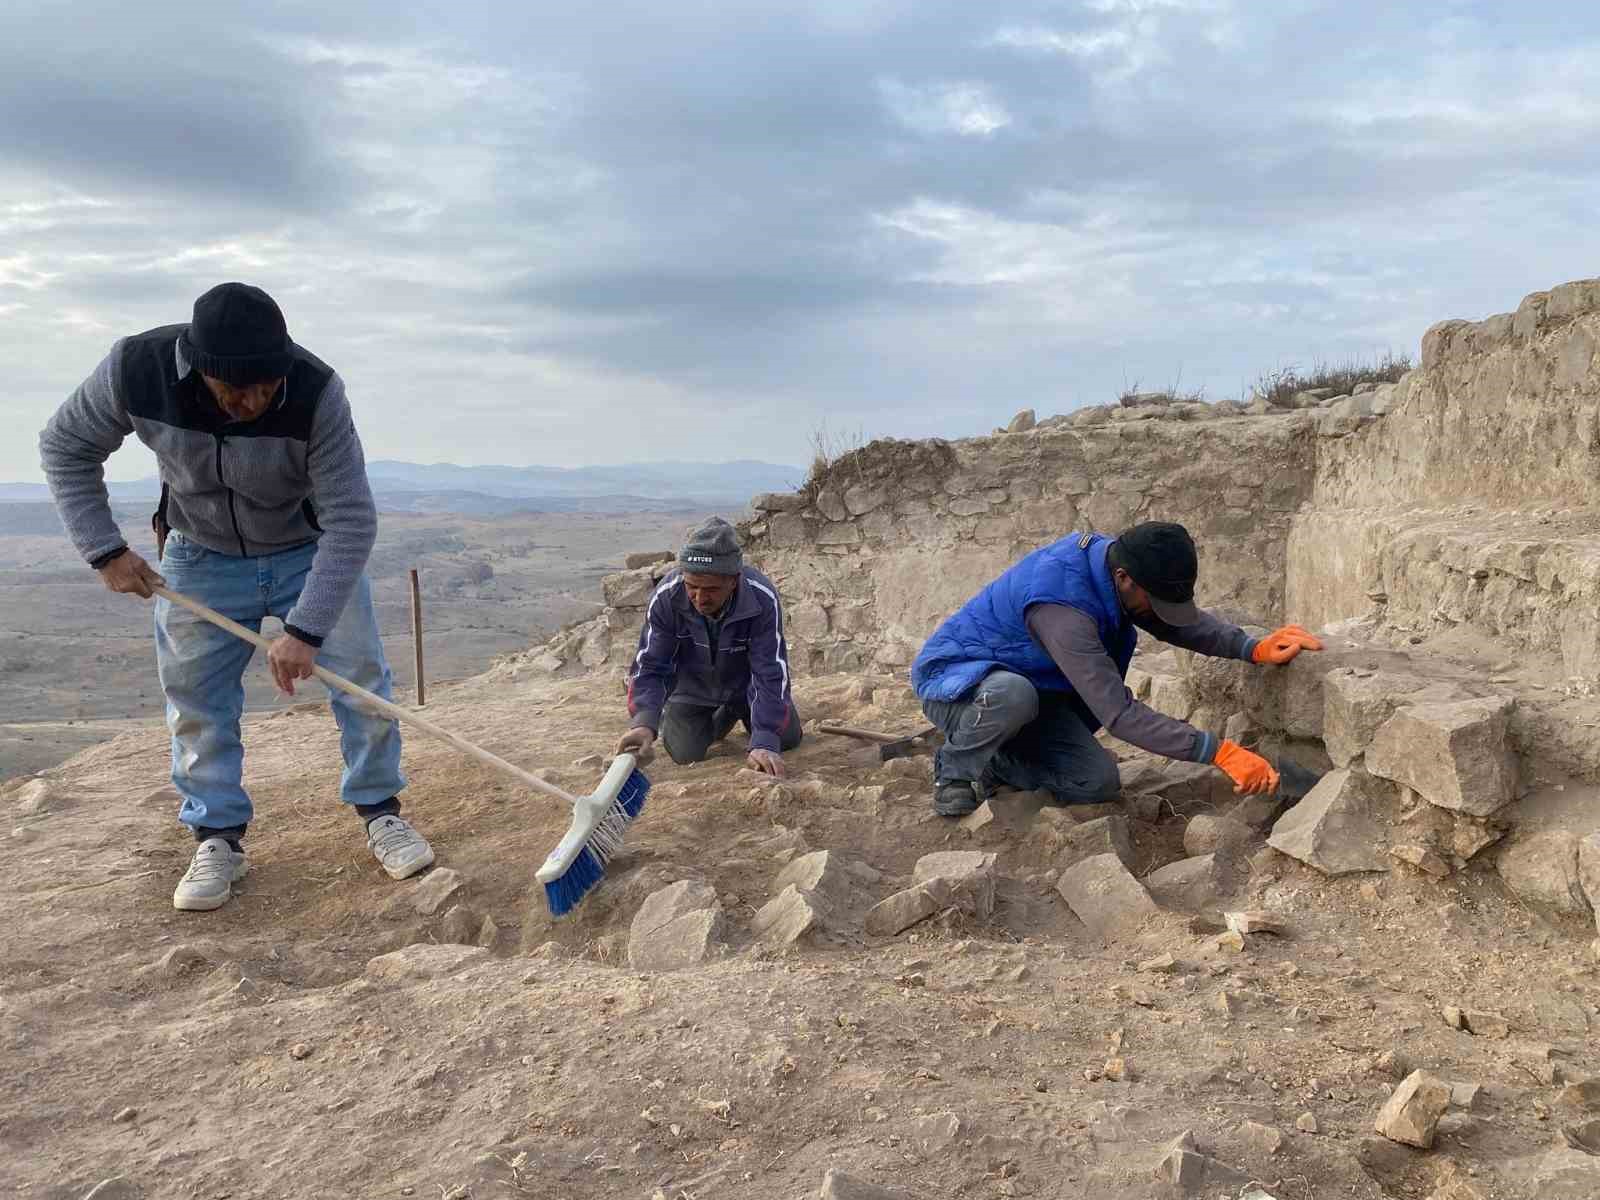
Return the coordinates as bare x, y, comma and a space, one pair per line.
392, 711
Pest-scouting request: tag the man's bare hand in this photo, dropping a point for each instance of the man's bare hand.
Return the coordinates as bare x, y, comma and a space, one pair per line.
768, 762
129, 573
290, 659
637, 741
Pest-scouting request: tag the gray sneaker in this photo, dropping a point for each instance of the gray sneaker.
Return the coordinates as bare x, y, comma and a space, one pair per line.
208, 883
401, 849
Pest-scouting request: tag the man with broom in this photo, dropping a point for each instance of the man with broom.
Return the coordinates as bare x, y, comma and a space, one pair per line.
711, 655
265, 511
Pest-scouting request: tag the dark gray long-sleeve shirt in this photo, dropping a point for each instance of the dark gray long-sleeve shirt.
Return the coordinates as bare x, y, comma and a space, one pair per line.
1071, 638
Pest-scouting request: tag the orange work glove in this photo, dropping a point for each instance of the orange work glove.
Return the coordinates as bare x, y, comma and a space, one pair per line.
1283, 644
1250, 772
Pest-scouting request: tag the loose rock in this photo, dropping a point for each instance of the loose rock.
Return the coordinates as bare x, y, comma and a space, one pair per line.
836, 1185
902, 910
1306, 1122
1542, 869
1106, 897
1335, 828
1423, 858
1191, 884
34, 798
1104, 835
179, 959
1262, 1139
1487, 1024
824, 871
788, 917
424, 961
460, 925
677, 926
435, 890
933, 1133
1411, 1114
1208, 833
1581, 1094
1255, 920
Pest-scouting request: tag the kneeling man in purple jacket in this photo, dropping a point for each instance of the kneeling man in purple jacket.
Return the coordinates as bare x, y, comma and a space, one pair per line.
712, 654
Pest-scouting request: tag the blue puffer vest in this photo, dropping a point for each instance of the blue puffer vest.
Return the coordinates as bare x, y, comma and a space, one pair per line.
990, 631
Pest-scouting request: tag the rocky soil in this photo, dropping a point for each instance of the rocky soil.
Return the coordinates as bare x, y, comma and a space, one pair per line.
813, 988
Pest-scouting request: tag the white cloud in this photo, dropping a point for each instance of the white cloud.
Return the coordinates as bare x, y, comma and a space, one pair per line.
967, 109
1051, 41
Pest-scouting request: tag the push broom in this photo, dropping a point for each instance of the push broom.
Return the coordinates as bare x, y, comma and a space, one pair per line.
599, 819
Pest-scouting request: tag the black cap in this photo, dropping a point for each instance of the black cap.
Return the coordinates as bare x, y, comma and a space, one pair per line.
1160, 557
238, 335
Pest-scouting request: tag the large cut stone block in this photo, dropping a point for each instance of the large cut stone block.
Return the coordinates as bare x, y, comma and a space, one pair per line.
1544, 871
1106, 897
1104, 835
677, 926
1356, 704
1453, 755
629, 589
1336, 827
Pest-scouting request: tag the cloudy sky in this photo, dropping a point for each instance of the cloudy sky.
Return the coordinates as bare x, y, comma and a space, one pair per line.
585, 233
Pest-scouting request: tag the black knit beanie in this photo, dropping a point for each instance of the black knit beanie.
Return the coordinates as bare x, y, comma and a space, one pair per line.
711, 549
238, 335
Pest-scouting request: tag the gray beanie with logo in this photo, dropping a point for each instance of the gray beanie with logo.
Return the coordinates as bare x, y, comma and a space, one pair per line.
711, 549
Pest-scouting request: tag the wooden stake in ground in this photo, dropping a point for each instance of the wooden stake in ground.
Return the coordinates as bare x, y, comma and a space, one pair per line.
416, 634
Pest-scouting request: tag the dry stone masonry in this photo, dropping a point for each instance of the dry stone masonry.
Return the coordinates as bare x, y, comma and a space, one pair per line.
1462, 501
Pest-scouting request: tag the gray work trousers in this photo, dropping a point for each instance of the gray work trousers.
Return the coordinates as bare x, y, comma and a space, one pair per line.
1006, 731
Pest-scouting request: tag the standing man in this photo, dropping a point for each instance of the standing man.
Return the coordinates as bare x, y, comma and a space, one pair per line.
1024, 674
712, 653
265, 511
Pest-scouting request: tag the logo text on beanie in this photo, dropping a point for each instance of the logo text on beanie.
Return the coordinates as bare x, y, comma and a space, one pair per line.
698, 558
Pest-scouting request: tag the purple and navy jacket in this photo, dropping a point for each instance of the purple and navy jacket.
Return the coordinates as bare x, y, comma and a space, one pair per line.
677, 660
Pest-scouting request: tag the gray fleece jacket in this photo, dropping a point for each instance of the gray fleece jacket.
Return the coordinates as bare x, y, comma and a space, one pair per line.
293, 475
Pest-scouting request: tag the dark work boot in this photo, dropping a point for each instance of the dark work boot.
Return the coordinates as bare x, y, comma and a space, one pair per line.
955, 799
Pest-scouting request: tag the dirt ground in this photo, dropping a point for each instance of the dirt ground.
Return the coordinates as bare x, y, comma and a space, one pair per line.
251, 1052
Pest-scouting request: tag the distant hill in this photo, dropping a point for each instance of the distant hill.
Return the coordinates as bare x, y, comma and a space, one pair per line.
737, 480
488, 491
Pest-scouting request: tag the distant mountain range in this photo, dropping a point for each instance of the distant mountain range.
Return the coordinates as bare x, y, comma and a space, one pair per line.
488, 491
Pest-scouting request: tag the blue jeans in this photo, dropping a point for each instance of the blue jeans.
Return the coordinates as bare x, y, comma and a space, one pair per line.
202, 673
1007, 731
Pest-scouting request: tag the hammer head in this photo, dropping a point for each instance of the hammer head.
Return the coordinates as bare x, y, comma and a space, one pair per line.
921, 743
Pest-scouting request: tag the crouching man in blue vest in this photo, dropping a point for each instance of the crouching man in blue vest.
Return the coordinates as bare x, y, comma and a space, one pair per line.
1024, 674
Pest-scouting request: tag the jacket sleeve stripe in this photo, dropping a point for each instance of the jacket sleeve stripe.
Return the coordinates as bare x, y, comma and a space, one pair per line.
644, 645
777, 616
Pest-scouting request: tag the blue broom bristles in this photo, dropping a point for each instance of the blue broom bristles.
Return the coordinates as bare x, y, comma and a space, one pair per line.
589, 867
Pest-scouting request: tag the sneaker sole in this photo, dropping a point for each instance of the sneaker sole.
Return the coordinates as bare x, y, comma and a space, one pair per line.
407, 870
201, 903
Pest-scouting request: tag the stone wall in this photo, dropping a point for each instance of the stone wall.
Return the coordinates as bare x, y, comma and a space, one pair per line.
1475, 503
1465, 496
896, 536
